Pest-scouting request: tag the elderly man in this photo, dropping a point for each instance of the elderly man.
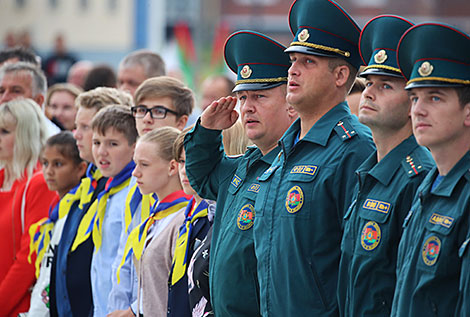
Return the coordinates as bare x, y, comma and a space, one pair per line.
137, 67
25, 80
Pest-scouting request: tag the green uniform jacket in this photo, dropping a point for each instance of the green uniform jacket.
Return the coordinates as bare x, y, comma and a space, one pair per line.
463, 309
373, 227
299, 214
428, 263
232, 182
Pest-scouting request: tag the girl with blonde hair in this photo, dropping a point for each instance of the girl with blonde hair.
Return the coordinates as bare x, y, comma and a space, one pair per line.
24, 198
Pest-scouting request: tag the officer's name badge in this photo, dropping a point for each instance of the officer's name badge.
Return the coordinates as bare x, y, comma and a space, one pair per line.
304, 169
377, 205
253, 188
236, 181
441, 220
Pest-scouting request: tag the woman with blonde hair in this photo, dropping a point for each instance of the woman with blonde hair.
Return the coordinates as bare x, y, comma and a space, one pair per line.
60, 104
24, 198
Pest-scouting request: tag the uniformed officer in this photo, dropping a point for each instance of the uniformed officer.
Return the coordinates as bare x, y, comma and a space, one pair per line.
261, 67
435, 59
303, 195
463, 307
387, 180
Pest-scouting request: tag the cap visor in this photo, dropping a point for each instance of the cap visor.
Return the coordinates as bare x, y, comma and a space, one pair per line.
257, 86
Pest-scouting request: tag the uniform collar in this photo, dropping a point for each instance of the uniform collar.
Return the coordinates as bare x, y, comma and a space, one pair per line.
254, 154
384, 170
446, 187
321, 130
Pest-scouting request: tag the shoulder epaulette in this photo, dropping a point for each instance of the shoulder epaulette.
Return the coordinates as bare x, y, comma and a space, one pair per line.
412, 165
345, 130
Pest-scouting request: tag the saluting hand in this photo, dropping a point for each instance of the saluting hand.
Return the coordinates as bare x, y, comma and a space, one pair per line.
220, 114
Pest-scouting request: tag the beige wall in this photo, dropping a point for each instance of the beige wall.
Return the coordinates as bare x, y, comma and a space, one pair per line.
96, 27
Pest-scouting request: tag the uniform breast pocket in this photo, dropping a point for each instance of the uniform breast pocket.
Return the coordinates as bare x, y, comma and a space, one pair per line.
348, 234
231, 200
373, 226
436, 243
264, 181
245, 216
298, 199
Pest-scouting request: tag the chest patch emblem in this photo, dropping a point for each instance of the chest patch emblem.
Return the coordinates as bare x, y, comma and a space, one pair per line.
370, 236
246, 217
377, 205
253, 188
441, 220
430, 250
236, 181
294, 199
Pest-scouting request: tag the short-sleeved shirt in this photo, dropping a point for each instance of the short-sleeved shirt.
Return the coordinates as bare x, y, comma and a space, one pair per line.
232, 182
373, 227
428, 264
299, 214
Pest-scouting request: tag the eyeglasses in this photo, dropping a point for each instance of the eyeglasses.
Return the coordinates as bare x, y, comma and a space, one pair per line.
157, 112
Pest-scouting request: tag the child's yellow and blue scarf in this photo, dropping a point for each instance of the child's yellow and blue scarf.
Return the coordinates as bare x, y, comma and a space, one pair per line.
180, 259
136, 240
92, 221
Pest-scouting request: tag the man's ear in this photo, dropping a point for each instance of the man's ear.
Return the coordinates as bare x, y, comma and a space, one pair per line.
466, 110
181, 122
40, 100
341, 75
291, 112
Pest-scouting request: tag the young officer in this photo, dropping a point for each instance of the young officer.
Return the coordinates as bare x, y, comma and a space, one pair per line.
303, 195
387, 180
261, 67
434, 58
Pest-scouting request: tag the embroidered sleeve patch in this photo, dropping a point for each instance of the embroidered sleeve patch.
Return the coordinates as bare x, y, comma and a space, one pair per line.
304, 169
236, 181
377, 205
441, 220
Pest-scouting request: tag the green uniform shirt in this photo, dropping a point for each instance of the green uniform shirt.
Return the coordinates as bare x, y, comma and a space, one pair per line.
463, 309
428, 263
299, 214
373, 227
232, 182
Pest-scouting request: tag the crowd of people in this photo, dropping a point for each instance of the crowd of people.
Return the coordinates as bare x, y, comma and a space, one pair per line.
332, 178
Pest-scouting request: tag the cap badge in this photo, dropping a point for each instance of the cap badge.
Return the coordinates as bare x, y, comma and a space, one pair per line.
303, 35
246, 72
380, 57
425, 69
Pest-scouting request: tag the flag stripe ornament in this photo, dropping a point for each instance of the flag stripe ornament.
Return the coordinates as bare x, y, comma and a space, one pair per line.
92, 221
136, 241
186, 52
180, 258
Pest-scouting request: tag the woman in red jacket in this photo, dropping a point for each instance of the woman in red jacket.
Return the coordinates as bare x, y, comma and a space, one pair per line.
24, 199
